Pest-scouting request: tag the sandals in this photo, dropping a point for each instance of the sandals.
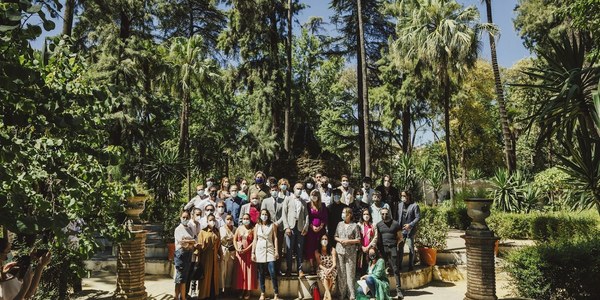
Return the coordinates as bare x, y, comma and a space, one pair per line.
262, 297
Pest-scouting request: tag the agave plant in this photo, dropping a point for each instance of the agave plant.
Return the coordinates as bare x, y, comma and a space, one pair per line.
506, 190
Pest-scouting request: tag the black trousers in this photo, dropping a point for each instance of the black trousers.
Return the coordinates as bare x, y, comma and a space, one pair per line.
392, 260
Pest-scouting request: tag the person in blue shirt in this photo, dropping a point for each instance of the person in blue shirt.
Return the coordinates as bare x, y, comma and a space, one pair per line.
234, 203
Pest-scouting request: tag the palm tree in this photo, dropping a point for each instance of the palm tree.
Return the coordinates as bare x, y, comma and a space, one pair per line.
189, 70
509, 148
440, 35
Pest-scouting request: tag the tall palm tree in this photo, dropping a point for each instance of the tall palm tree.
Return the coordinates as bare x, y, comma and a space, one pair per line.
189, 70
509, 148
440, 35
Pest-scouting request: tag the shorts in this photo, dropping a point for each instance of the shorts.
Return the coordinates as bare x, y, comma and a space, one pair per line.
183, 265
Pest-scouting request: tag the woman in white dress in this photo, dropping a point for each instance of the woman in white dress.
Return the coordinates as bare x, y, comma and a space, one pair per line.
265, 252
228, 259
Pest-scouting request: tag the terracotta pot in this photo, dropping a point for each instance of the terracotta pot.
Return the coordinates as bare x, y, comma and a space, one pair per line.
428, 255
171, 255
478, 209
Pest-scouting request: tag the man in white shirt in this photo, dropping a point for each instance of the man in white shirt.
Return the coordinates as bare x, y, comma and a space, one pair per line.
212, 199
196, 200
376, 207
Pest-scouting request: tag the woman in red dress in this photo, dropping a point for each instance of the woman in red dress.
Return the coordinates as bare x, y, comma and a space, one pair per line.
246, 275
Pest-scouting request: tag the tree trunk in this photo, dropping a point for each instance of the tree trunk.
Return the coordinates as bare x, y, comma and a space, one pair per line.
361, 129
68, 17
446, 83
509, 148
191, 20
406, 121
125, 26
365, 90
274, 67
184, 126
288, 80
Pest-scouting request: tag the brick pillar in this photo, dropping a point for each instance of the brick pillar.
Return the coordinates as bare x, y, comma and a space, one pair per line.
481, 269
481, 273
131, 266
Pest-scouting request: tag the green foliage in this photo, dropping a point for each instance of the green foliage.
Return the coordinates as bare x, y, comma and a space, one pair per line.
565, 269
406, 176
433, 229
543, 226
506, 191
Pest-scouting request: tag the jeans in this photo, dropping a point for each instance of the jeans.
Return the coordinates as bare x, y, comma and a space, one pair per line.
262, 275
411, 251
295, 240
372, 284
390, 255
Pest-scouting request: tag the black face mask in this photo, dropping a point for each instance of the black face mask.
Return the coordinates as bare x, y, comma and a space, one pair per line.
372, 256
213, 194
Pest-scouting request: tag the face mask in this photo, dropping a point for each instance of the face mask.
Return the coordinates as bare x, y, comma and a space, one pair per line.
274, 194
243, 187
359, 198
386, 184
329, 186
372, 256
213, 194
336, 199
264, 218
184, 222
314, 198
211, 223
254, 202
259, 180
220, 210
297, 193
200, 193
268, 184
404, 199
229, 222
323, 243
233, 194
343, 216
246, 222
345, 184
209, 184
309, 185
366, 185
197, 218
366, 218
283, 187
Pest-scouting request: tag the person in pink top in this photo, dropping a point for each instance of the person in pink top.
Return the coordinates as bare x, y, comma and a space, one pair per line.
317, 219
246, 273
368, 231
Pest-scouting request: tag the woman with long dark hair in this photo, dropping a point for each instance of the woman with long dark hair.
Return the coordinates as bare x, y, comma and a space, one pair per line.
326, 258
265, 252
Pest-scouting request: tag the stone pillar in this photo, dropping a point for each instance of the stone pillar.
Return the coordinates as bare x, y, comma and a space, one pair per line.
481, 269
131, 264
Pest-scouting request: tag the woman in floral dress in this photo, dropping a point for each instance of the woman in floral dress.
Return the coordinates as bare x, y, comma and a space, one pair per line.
327, 266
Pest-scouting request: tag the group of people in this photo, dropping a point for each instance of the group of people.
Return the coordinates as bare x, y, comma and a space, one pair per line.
232, 236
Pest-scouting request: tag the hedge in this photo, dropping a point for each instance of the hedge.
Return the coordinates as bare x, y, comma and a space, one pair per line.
567, 269
542, 226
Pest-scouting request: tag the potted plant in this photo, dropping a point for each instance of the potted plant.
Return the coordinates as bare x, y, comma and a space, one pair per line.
431, 235
137, 202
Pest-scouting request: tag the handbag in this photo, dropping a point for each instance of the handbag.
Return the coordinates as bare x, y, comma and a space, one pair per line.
198, 272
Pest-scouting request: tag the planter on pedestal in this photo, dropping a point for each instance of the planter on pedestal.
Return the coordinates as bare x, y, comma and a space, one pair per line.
135, 206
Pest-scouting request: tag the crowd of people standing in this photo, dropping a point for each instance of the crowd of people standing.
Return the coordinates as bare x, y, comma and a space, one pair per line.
234, 236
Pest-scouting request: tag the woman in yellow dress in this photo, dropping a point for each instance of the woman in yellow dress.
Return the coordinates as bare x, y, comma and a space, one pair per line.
210, 255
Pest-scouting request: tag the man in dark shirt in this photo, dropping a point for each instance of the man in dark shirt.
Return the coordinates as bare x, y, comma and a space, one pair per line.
409, 215
389, 195
389, 240
335, 215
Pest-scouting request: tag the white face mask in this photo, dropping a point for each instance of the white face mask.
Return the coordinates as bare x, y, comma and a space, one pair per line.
197, 218
211, 223
309, 185
366, 218
297, 193
314, 198
209, 184
221, 210
233, 194
254, 202
386, 183
345, 184
323, 243
200, 193
404, 199
283, 187
246, 222
336, 198
184, 222
243, 186
264, 218
343, 216
274, 194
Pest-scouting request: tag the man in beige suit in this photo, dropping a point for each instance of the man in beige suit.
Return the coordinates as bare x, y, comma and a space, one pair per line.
295, 224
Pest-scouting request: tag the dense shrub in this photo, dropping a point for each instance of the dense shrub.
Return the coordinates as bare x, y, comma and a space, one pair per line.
567, 269
457, 217
433, 229
542, 226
